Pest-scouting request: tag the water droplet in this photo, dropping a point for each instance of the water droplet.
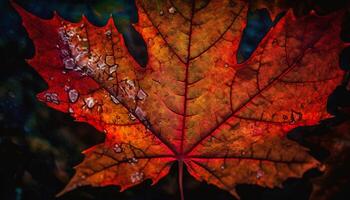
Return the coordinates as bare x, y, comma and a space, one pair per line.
70, 110
133, 161
63, 35
101, 65
130, 83
161, 13
172, 10
117, 148
66, 88
70, 33
69, 63
83, 176
79, 38
132, 117
128, 88
108, 33
141, 94
222, 167
115, 100
242, 153
259, 174
73, 95
226, 65
113, 69
136, 177
90, 102
140, 113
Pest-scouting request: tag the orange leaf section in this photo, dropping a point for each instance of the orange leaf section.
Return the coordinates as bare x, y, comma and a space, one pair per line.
119, 164
193, 102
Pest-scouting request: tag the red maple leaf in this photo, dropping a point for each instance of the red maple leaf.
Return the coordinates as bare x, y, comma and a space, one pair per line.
192, 103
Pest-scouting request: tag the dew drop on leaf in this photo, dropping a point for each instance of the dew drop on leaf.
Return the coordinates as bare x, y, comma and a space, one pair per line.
136, 177
90, 102
140, 113
130, 83
141, 94
114, 99
73, 95
69, 63
108, 33
172, 10
222, 167
113, 69
132, 117
70, 110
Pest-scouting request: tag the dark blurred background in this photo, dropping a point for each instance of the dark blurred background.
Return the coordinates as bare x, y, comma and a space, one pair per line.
40, 146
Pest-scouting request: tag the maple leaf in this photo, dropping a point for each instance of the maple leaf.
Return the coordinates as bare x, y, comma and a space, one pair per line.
193, 103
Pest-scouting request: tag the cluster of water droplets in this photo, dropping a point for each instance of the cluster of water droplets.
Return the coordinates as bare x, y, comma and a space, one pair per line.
130, 91
52, 97
133, 160
171, 10
136, 177
74, 48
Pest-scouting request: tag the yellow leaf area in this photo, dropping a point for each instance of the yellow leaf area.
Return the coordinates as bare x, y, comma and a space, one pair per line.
193, 103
